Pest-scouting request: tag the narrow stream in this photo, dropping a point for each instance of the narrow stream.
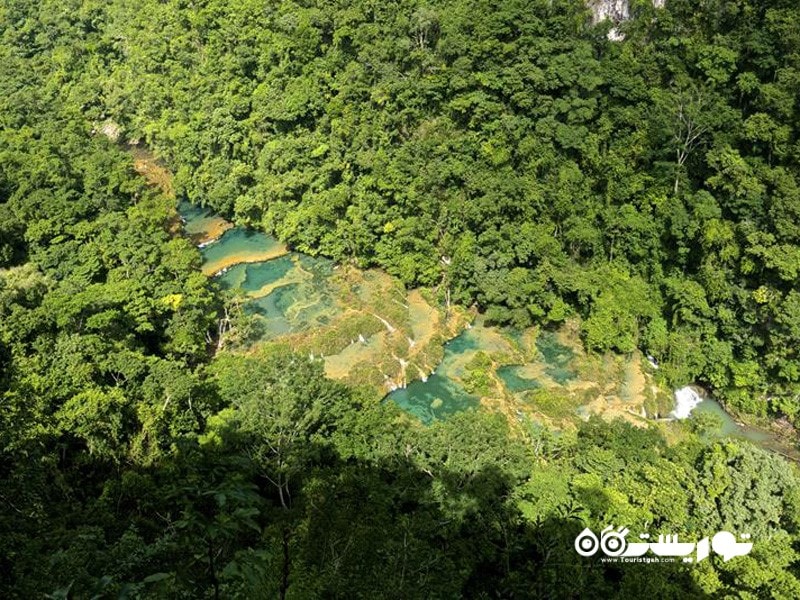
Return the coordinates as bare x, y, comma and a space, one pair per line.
724, 425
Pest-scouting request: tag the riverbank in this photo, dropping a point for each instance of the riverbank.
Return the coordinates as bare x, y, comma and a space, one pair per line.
778, 436
370, 331
363, 324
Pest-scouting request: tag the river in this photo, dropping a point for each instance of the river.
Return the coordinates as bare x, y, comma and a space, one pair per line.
368, 329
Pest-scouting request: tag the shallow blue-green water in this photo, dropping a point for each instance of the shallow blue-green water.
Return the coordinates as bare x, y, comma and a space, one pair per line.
301, 300
557, 357
251, 277
728, 425
238, 242
514, 381
196, 218
441, 395
436, 398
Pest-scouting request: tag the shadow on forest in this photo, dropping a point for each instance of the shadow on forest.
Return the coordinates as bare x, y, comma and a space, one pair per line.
355, 529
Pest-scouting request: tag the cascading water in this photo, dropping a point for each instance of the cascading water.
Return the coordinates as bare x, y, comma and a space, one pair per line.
686, 399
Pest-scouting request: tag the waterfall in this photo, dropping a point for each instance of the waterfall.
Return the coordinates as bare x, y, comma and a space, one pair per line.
686, 399
385, 322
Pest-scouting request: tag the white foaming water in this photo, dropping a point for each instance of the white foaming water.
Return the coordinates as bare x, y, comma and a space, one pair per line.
686, 399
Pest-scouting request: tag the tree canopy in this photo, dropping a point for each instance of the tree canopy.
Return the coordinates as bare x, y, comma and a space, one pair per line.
505, 154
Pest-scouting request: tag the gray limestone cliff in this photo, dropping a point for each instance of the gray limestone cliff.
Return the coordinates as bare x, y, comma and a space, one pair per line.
615, 11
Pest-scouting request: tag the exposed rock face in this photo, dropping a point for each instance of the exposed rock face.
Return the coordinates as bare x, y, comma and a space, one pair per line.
615, 11
111, 130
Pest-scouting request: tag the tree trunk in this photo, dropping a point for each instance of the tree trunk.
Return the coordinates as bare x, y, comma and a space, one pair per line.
213, 570
285, 571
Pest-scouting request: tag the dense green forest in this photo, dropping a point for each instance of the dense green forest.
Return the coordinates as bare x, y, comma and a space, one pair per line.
505, 154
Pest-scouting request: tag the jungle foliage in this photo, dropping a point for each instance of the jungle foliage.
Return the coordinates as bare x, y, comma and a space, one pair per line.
505, 153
